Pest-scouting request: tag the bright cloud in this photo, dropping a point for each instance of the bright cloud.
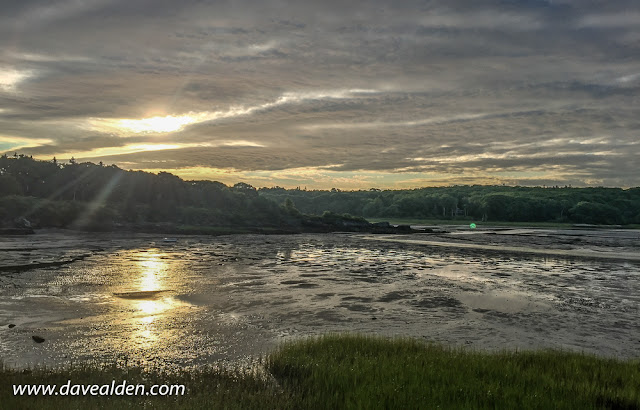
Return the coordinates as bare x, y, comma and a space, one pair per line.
10, 78
157, 124
8, 143
172, 123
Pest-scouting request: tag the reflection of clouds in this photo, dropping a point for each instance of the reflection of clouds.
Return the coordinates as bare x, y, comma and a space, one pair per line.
285, 254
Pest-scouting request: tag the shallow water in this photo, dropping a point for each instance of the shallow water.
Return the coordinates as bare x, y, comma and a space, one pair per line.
200, 299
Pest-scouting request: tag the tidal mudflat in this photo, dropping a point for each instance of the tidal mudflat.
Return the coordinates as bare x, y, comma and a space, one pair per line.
136, 298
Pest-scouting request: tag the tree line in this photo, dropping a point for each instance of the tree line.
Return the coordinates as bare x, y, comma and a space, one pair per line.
50, 193
477, 202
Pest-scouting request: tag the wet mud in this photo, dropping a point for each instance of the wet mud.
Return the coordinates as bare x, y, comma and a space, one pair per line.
203, 299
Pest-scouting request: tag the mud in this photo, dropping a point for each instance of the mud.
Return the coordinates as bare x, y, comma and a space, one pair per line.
203, 299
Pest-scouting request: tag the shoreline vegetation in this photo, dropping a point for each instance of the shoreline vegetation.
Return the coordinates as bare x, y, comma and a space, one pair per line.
359, 371
45, 194
95, 197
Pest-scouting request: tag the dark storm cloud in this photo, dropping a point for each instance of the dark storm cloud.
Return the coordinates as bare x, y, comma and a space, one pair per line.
459, 87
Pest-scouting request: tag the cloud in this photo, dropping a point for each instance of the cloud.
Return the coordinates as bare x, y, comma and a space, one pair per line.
170, 123
395, 93
8, 143
616, 20
10, 79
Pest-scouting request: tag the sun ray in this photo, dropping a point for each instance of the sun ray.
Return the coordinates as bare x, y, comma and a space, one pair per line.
84, 218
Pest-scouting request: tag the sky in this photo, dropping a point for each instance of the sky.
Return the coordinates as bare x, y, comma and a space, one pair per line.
323, 94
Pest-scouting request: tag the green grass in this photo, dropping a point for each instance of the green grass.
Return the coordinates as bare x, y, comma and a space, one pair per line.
362, 372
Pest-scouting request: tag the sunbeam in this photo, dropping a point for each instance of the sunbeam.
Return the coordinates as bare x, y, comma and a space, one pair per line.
85, 218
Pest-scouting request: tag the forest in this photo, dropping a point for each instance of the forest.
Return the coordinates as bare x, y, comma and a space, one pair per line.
602, 206
97, 196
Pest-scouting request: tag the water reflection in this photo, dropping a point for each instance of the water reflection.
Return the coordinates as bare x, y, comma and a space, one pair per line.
145, 297
246, 292
153, 270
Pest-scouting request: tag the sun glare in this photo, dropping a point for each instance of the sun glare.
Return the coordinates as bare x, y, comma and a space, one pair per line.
157, 124
10, 78
152, 271
156, 147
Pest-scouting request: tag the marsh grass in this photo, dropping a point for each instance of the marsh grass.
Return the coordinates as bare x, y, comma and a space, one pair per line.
355, 371
338, 371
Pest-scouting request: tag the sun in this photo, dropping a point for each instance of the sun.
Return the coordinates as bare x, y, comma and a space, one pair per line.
168, 123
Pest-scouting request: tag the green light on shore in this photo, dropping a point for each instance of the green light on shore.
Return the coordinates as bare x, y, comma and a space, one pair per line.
472, 226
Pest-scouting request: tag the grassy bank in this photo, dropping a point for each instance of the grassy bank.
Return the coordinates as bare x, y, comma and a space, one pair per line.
364, 372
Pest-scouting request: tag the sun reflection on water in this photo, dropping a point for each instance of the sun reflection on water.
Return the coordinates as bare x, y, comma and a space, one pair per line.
153, 271
146, 297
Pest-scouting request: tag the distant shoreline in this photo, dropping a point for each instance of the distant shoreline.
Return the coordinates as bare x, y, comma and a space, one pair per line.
512, 249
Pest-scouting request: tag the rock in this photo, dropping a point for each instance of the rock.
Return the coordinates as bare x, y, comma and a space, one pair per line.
11, 326
37, 339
